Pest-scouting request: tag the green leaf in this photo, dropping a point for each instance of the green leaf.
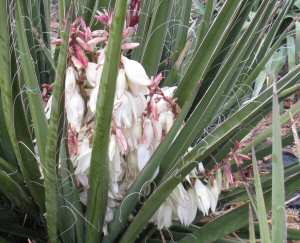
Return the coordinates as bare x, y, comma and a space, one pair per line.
252, 238
143, 27
14, 192
278, 192
235, 219
206, 53
260, 201
246, 113
13, 112
98, 177
181, 29
156, 36
32, 85
50, 163
291, 51
205, 110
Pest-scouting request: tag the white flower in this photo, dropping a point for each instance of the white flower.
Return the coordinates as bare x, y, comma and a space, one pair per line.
215, 191
123, 112
121, 84
83, 161
133, 135
143, 156
148, 133
93, 73
158, 132
163, 216
138, 80
116, 171
48, 108
203, 197
74, 102
186, 207
169, 91
162, 106
166, 120
92, 103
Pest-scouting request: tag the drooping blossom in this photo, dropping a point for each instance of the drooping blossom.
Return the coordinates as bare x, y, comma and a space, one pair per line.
143, 113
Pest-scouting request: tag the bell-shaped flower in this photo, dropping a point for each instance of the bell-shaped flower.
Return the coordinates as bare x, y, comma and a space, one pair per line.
92, 102
203, 197
138, 79
158, 133
123, 112
148, 132
82, 162
134, 134
121, 84
166, 120
169, 91
47, 108
215, 190
163, 216
116, 171
186, 207
162, 106
132, 169
93, 73
143, 156
74, 103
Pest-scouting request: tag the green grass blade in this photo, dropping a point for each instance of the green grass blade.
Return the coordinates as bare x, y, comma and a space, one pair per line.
278, 191
98, 177
50, 165
260, 201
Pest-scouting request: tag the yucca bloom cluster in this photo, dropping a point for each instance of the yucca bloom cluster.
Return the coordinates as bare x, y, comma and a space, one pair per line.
143, 114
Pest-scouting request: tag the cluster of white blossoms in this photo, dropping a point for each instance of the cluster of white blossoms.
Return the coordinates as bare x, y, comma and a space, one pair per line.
143, 113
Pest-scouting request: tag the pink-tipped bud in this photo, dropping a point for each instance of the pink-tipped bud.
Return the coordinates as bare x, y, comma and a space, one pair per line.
129, 46
84, 45
80, 55
104, 17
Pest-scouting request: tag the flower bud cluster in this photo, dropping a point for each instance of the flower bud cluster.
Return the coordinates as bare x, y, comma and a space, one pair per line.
143, 113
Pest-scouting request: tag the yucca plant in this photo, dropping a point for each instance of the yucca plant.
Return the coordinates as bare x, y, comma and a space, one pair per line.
128, 125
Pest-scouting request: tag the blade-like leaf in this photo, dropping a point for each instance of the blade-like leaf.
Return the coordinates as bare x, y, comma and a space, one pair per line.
153, 203
50, 163
98, 177
156, 36
32, 85
278, 192
206, 53
260, 201
11, 105
234, 219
